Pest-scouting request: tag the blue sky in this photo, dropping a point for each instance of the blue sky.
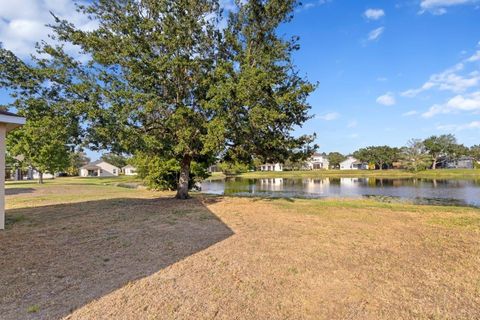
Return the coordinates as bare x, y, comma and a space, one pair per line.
388, 71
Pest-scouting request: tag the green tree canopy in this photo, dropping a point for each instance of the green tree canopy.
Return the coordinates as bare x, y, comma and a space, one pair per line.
334, 159
475, 152
380, 156
171, 85
47, 91
415, 156
440, 146
77, 160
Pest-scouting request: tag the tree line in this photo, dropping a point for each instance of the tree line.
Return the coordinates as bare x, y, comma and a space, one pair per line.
417, 155
175, 84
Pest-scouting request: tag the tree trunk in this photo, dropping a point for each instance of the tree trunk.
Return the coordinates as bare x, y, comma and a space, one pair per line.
434, 165
182, 188
40, 177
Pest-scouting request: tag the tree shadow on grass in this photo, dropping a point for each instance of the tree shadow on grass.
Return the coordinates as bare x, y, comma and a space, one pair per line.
14, 191
58, 258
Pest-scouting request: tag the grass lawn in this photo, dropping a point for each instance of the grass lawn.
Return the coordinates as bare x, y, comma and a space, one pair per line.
92, 249
429, 174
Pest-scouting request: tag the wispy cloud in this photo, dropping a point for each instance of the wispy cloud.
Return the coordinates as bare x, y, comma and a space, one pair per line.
329, 116
373, 14
439, 7
311, 5
453, 79
475, 57
410, 113
459, 127
388, 99
352, 124
459, 103
375, 34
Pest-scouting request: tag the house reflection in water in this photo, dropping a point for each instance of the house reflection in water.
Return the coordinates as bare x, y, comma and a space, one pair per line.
316, 185
273, 184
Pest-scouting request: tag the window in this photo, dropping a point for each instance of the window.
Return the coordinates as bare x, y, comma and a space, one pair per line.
114, 171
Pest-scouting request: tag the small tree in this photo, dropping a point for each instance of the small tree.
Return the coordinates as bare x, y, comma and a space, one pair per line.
334, 159
77, 160
43, 143
440, 146
475, 152
414, 156
49, 92
379, 156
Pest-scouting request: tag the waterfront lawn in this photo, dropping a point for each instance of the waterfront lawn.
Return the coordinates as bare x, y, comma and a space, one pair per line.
386, 174
92, 249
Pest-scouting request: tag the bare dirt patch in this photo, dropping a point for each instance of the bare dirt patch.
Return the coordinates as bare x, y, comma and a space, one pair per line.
233, 258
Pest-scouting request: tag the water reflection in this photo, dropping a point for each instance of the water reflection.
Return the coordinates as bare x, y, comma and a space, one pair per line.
438, 191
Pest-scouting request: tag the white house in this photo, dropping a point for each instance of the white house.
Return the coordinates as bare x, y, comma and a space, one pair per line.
352, 164
129, 170
317, 161
271, 167
99, 168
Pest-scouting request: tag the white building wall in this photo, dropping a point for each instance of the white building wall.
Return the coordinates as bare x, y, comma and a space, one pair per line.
36, 175
105, 170
348, 164
130, 171
271, 167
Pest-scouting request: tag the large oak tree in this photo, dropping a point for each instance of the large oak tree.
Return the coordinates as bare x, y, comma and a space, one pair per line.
171, 84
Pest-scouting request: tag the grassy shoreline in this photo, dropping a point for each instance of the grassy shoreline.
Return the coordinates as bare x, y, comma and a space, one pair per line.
386, 174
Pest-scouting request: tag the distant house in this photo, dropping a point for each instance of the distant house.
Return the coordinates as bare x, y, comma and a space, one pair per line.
271, 167
129, 170
353, 164
460, 163
34, 174
317, 161
99, 168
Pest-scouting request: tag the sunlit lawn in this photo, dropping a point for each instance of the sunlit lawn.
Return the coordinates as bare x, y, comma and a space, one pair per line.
89, 248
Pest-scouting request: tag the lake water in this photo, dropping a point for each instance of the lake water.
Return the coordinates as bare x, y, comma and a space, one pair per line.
419, 191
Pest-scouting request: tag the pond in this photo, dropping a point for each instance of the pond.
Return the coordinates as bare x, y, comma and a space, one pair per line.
418, 191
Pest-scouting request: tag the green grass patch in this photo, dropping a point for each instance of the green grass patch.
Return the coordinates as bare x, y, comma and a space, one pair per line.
386, 174
33, 309
317, 205
469, 222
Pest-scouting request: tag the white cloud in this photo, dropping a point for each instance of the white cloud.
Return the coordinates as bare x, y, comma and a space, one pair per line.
388, 99
475, 57
449, 80
438, 7
459, 103
329, 116
459, 127
410, 113
352, 124
311, 5
23, 23
375, 34
374, 14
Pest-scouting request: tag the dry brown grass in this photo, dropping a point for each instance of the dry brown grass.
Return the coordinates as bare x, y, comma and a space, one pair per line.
137, 256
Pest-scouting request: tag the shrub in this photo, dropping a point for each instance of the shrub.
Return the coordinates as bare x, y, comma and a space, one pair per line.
162, 174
